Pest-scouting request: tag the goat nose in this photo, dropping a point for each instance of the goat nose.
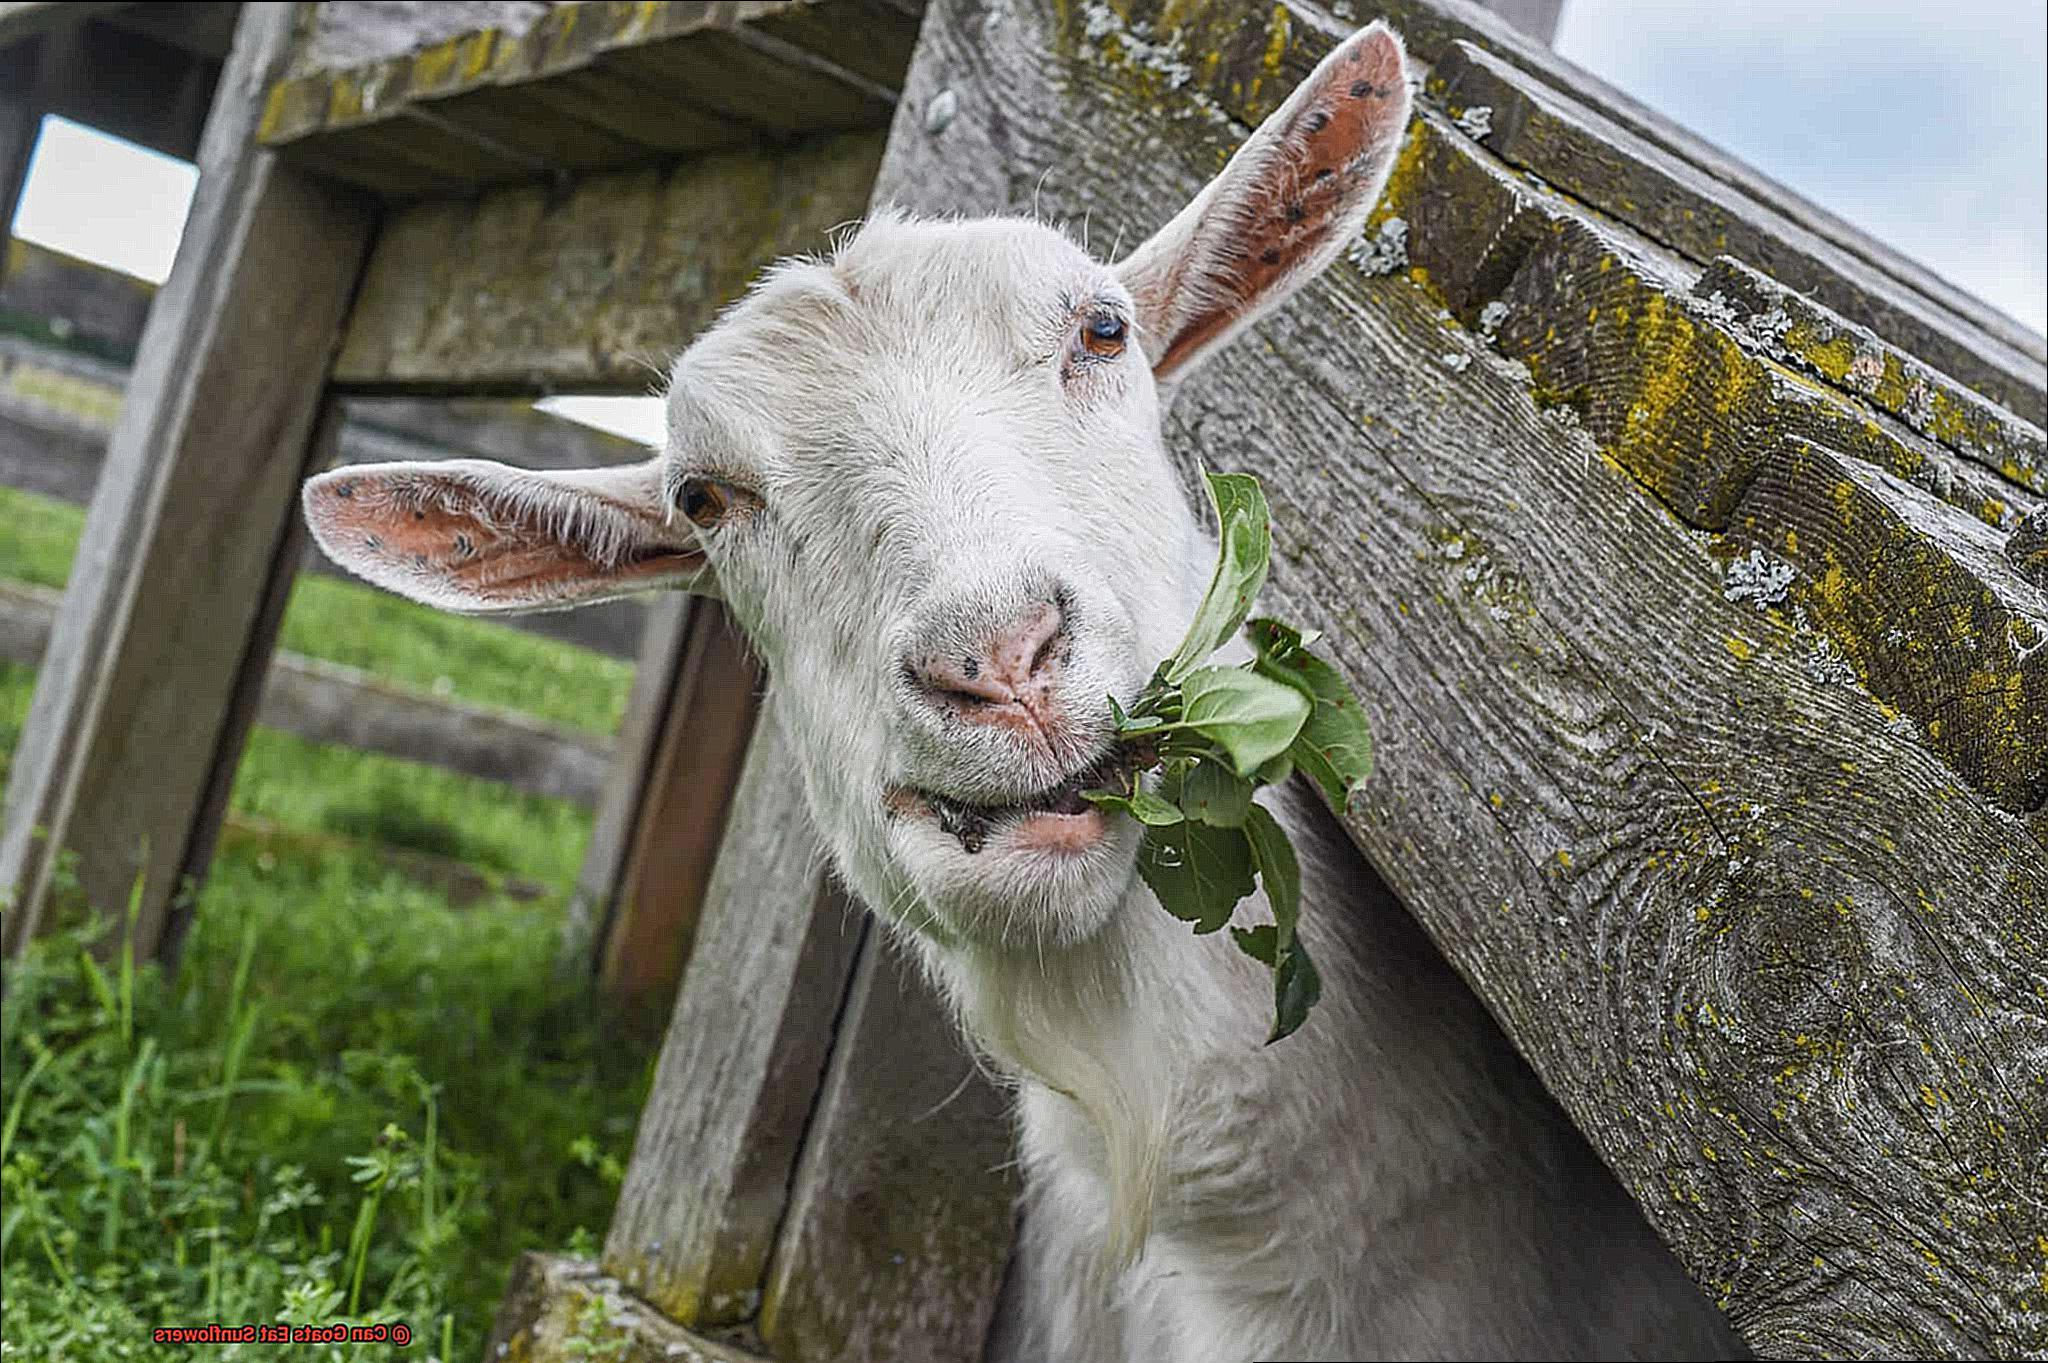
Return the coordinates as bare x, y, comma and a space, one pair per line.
1013, 664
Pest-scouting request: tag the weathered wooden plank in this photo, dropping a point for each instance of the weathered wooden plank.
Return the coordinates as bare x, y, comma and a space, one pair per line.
137, 690
618, 804
346, 33
1601, 163
330, 703
562, 1310
900, 1223
636, 81
528, 290
743, 1062
2027, 549
1672, 375
21, 20
694, 768
1687, 398
1220, 63
21, 118
1777, 958
1917, 602
1855, 360
131, 84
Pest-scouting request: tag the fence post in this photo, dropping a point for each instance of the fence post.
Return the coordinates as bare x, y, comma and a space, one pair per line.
685, 734
136, 699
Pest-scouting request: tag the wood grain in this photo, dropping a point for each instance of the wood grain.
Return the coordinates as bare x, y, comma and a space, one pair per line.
1596, 161
1779, 960
901, 1215
743, 1062
563, 1310
166, 593
688, 787
426, 111
595, 286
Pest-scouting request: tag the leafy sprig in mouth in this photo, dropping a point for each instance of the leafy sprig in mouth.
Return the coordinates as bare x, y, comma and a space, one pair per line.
1215, 734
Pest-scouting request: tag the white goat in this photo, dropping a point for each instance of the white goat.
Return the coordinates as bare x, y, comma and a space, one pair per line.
927, 476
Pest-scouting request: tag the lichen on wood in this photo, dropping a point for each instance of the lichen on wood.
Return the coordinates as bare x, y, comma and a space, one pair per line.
593, 285
563, 1310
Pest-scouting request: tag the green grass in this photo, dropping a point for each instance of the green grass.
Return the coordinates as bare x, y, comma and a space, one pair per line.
343, 622
352, 1101
355, 1100
369, 797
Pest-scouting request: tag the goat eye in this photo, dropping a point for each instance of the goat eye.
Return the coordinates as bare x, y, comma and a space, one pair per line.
1103, 335
703, 501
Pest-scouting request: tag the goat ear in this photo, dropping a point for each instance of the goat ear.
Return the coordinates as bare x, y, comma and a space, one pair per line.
1280, 211
481, 538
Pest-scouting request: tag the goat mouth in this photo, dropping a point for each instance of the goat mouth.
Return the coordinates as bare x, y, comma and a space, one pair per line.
972, 823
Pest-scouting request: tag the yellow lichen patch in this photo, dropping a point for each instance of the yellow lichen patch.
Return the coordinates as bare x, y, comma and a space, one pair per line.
1845, 502
1832, 357
1740, 647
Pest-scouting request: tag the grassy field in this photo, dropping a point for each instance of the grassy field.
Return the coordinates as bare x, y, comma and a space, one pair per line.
356, 1099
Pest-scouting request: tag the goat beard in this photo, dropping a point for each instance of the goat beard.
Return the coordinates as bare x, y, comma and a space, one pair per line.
1027, 1019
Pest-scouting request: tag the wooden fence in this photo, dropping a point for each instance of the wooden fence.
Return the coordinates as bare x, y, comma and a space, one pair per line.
1685, 543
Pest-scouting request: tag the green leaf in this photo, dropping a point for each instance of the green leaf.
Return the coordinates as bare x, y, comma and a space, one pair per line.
1296, 987
1243, 544
1253, 717
1261, 943
1275, 771
1276, 639
1215, 794
1279, 872
1335, 743
1141, 804
1197, 872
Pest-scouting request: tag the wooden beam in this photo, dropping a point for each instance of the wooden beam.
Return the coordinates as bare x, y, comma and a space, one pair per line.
725, 1121
618, 804
1776, 949
331, 703
20, 121
902, 1213
532, 90
128, 83
594, 285
167, 596
563, 1310
1595, 160
685, 789
21, 20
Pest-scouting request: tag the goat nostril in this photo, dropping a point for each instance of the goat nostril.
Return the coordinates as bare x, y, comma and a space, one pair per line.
1038, 659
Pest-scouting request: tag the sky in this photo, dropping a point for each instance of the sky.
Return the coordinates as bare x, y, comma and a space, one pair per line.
1930, 137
